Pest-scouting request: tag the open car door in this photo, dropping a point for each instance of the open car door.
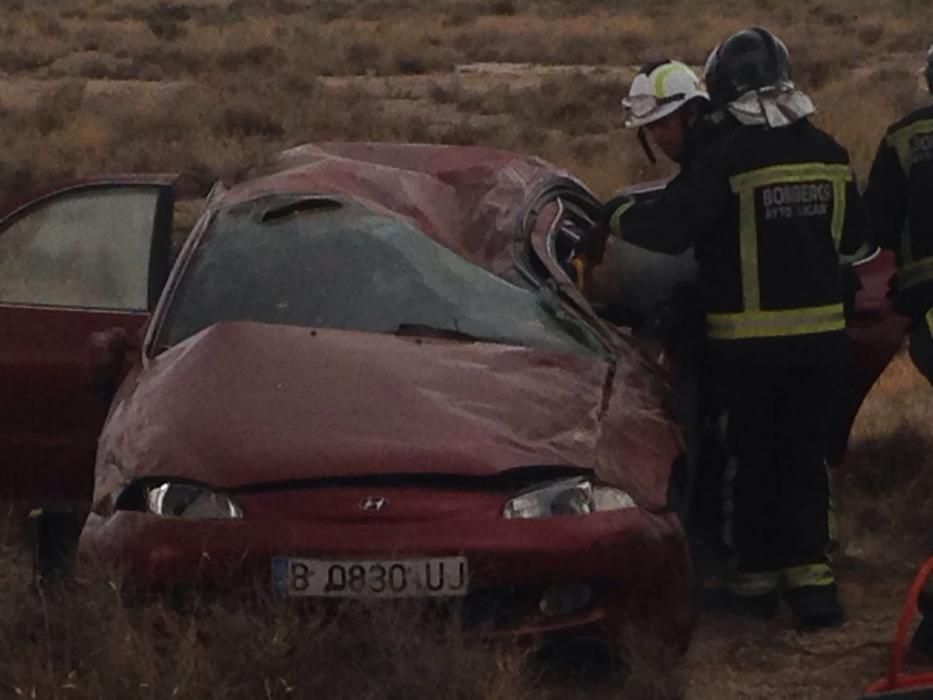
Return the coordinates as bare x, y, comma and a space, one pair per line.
83, 260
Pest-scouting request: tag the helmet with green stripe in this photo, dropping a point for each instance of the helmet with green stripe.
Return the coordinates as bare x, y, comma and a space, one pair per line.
660, 89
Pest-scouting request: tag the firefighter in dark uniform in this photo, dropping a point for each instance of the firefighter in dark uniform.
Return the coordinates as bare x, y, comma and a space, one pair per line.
900, 200
770, 203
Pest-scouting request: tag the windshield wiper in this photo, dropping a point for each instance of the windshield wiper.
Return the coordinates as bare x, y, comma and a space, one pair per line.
424, 330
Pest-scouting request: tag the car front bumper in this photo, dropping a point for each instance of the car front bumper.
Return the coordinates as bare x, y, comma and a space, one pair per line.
636, 563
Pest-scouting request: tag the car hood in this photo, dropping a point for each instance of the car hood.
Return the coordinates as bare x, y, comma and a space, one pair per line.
246, 403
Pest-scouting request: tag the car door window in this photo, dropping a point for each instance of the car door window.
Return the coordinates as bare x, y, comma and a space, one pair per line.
88, 248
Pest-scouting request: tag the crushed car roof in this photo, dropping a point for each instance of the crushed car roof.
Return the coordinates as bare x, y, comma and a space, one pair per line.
467, 198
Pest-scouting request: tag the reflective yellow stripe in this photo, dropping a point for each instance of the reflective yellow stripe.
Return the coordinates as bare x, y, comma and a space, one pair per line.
839, 211
929, 318
615, 221
751, 584
774, 324
748, 251
900, 141
661, 76
808, 575
744, 186
915, 273
798, 172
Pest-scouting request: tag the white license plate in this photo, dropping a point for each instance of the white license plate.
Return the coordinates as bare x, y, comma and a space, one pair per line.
400, 578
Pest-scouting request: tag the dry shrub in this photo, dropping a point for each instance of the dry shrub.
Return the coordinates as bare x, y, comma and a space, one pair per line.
166, 20
503, 7
171, 62
248, 121
411, 65
15, 61
166, 29
830, 15
58, 106
363, 57
444, 94
871, 34
576, 104
262, 57
173, 11
332, 10
815, 71
459, 18
84, 641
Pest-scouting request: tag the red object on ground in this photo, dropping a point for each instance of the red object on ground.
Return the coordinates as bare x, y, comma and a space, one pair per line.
896, 680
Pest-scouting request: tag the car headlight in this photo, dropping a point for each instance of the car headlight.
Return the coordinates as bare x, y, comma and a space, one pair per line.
576, 496
179, 500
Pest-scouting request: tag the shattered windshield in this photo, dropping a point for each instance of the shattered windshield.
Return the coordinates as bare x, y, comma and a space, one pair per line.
323, 263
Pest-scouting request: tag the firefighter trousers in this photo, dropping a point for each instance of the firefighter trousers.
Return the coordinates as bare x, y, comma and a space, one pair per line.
779, 422
921, 344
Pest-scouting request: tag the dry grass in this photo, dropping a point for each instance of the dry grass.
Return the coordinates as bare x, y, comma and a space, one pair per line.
86, 643
211, 83
85, 640
205, 86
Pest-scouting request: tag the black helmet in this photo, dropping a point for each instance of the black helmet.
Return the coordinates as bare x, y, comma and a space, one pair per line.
748, 60
928, 71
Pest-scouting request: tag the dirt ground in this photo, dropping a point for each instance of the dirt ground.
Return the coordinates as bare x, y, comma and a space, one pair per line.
205, 86
882, 493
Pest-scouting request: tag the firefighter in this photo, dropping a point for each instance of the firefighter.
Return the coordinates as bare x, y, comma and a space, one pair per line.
665, 100
901, 209
770, 204
668, 106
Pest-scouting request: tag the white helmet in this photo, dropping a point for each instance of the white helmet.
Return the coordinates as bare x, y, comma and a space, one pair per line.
658, 90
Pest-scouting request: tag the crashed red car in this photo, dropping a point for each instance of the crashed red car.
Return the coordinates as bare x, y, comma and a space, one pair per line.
369, 374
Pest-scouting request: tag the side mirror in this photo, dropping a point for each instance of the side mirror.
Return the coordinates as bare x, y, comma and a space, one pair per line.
105, 360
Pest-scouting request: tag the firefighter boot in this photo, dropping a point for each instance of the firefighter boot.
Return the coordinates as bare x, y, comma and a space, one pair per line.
816, 607
922, 641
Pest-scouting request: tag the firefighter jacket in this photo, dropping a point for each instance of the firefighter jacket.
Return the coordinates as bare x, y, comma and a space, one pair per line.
772, 213
899, 201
